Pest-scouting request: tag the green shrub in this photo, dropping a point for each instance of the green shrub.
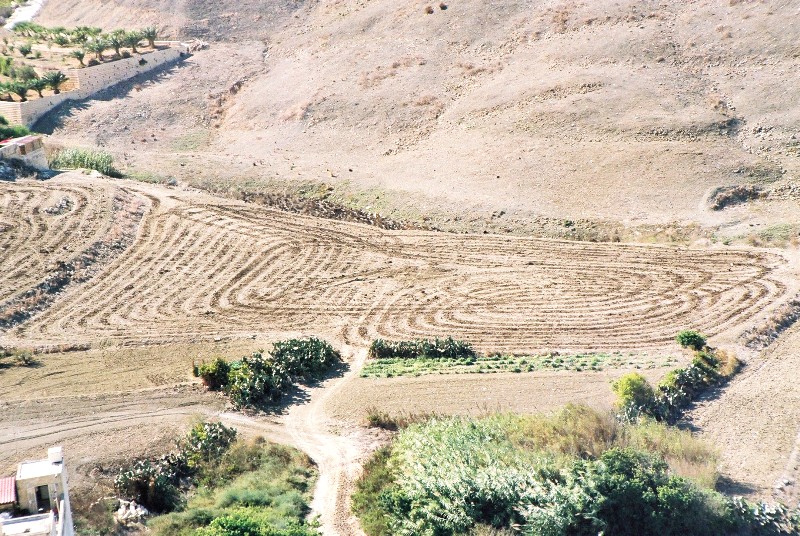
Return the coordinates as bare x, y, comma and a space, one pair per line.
84, 158
254, 485
155, 483
374, 481
448, 348
307, 359
451, 476
258, 379
633, 389
25, 49
214, 374
691, 339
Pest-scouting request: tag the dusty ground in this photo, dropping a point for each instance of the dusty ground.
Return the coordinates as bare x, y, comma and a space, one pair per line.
756, 423
175, 276
597, 120
202, 268
519, 116
477, 394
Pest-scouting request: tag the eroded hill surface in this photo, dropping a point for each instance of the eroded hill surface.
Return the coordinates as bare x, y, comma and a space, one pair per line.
630, 112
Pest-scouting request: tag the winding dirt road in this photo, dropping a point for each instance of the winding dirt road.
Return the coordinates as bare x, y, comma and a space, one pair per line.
336, 447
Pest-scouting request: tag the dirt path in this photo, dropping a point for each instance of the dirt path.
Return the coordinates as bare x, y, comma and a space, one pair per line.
338, 450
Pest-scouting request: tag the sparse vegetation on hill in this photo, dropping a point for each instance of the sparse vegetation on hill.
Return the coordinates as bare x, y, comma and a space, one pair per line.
259, 378
579, 472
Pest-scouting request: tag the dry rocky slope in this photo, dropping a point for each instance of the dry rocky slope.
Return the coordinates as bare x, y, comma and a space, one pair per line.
630, 112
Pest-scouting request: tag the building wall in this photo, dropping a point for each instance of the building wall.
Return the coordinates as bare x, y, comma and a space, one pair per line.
88, 81
57, 485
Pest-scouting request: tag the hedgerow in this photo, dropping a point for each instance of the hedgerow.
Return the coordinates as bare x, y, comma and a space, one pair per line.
708, 368
448, 348
258, 378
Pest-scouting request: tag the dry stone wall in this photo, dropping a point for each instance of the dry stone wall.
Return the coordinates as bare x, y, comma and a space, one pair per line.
85, 82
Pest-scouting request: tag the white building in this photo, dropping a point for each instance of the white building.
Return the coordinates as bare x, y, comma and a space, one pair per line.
35, 502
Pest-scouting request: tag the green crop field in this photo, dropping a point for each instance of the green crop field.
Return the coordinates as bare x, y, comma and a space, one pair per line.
387, 368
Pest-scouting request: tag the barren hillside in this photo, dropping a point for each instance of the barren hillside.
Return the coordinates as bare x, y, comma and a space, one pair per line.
626, 111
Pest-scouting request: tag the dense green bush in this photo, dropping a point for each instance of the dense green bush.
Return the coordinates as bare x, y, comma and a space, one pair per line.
691, 339
84, 158
708, 368
633, 389
214, 374
448, 348
257, 379
449, 476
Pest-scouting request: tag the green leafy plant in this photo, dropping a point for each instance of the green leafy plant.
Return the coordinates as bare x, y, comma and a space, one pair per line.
20, 89
524, 474
12, 131
633, 389
150, 34
132, 39
214, 374
259, 378
447, 348
25, 49
54, 79
156, 483
691, 339
79, 55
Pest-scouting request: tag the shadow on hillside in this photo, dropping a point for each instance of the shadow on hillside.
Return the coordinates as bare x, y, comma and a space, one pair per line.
729, 486
299, 394
61, 114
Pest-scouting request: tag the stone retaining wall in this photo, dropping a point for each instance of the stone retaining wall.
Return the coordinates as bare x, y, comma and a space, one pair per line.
87, 81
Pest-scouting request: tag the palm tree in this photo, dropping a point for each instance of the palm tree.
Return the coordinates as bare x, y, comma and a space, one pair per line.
98, 45
116, 41
20, 88
54, 79
132, 39
39, 85
79, 55
150, 34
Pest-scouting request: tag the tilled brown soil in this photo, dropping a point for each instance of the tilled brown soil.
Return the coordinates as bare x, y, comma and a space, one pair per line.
203, 268
206, 276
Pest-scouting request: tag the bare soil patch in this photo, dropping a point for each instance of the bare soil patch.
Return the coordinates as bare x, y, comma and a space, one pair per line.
755, 420
476, 394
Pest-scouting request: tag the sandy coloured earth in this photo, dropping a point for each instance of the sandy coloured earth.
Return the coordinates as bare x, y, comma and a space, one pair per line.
157, 278
512, 125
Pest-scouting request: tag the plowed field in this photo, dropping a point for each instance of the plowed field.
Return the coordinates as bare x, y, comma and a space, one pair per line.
201, 268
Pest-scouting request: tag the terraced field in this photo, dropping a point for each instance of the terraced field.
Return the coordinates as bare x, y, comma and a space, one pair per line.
202, 268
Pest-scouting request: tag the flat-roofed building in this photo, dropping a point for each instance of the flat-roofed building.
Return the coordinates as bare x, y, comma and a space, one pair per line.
35, 502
